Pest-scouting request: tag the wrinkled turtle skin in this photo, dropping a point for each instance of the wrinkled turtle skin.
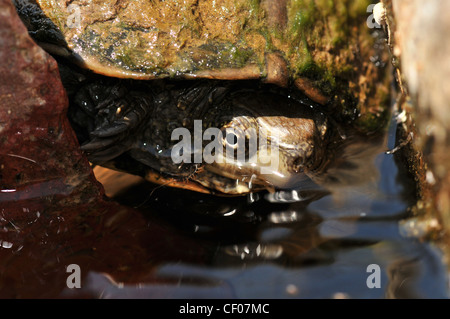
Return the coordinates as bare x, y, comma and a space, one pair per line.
137, 70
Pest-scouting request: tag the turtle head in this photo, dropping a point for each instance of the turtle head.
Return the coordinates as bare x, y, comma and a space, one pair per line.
268, 141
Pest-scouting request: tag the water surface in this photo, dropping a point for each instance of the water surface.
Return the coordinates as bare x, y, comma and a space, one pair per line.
169, 243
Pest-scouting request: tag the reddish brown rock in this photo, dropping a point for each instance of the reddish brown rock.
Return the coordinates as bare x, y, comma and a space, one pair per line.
39, 153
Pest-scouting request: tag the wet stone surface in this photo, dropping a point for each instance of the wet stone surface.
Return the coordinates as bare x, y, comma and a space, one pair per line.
40, 156
421, 48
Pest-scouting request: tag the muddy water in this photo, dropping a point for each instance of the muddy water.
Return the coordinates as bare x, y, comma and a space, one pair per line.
343, 241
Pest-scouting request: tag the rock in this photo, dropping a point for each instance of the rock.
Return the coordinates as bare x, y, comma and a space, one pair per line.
421, 50
46, 183
40, 155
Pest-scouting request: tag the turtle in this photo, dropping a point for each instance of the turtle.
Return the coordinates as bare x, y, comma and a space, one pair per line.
246, 137
206, 96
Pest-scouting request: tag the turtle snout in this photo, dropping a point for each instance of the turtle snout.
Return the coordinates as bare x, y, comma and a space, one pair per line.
300, 157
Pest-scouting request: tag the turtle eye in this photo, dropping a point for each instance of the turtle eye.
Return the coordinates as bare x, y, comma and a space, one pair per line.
230, 139
234, 144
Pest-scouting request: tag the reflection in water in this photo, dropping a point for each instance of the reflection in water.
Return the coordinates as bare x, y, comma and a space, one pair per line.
169, 243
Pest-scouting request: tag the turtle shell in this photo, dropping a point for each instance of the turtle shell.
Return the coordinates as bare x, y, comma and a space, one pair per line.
271, 40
